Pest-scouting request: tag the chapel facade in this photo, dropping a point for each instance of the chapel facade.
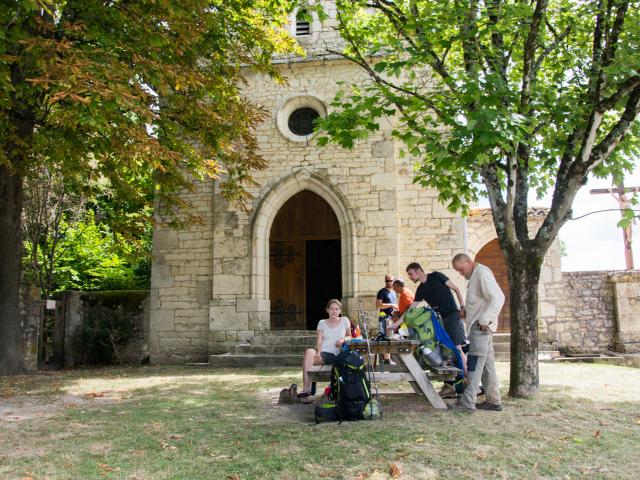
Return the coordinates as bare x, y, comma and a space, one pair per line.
323, 222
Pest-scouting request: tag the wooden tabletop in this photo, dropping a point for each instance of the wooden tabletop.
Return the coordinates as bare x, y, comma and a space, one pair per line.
385, 346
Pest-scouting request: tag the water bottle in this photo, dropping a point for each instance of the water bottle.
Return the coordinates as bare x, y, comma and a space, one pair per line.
432, 357
382, 322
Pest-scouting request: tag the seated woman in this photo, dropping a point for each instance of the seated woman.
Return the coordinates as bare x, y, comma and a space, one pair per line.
332, 333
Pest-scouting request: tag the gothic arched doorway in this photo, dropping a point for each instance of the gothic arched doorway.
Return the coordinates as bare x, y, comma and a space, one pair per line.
491, 255
304, 262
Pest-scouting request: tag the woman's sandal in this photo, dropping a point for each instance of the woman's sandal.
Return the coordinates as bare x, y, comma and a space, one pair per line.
304, 394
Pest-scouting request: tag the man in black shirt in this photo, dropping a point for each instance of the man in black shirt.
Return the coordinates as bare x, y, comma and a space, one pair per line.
435, 288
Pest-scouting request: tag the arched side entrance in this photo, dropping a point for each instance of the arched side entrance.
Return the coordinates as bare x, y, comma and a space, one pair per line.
263, 220
491, 255
304, 262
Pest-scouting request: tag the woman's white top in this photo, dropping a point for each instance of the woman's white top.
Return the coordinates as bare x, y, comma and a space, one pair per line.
331, 335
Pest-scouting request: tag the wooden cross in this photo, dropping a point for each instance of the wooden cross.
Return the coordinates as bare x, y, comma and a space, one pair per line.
619, 194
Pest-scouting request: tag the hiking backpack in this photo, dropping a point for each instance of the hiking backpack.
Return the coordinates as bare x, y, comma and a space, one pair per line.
422, 324
349, 386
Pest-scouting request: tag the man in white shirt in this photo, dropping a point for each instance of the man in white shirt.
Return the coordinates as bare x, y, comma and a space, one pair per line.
482, 307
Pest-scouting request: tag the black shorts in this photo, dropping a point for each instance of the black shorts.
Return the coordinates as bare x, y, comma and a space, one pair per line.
328, 358
454, 326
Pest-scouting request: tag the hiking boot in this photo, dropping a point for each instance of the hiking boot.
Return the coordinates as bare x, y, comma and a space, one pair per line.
448, 391
489, 406
459, 407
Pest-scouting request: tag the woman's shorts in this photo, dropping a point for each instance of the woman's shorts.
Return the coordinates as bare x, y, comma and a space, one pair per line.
328, 358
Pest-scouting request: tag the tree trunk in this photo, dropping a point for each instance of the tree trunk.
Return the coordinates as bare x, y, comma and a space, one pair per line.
524, 274
11, 194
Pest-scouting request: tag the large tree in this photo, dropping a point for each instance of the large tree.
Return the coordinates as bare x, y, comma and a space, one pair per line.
115, 90
501, 98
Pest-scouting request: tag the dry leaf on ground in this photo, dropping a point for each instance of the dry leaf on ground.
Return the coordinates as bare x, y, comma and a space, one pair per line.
92, 395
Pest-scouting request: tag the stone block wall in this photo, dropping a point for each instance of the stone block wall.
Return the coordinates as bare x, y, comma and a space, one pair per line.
584, 319
386, 221
181, 285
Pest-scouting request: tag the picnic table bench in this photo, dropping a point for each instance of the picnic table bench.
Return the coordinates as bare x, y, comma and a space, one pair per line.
408, 370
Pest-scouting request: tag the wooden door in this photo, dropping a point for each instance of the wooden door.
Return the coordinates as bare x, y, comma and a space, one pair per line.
491, 255
287, 285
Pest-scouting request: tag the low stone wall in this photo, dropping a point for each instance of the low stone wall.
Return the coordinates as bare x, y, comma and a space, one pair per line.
96, 321
594, 312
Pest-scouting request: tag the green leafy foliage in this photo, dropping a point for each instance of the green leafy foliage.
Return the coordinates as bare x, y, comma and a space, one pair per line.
486, 93
503, 99
91, 257
128, 95
112, 91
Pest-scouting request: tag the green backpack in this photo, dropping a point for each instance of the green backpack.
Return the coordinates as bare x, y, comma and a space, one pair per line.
420, 321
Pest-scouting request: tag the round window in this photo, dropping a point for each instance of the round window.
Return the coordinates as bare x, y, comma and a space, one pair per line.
296, 116
301, 121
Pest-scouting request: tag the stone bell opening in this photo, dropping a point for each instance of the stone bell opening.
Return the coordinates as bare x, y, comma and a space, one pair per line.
304, 262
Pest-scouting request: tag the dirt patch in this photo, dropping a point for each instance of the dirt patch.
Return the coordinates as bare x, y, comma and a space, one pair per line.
15, 410
393, 401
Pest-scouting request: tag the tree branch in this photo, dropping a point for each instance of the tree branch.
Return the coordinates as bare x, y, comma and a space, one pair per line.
607, 145
498, 62
549, 49
531, 44
613, 35
624, 90
468, 34
521, 200
501, 217
397, 20
574, 174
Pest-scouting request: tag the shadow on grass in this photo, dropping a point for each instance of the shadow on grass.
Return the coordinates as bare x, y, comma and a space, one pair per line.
187, 422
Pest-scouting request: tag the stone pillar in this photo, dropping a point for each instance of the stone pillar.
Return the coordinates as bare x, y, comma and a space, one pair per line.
30, 312
73, 346
626, 288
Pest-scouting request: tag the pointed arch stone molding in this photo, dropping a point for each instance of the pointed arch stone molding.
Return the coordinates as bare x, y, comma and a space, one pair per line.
269, 206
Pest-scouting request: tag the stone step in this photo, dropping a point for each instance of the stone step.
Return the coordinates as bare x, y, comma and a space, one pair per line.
501, 338
228, 360
279, 340
501, 347
284, 333
252, 349
596, 358
502, 356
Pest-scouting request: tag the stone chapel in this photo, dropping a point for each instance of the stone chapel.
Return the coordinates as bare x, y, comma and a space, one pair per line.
323, 223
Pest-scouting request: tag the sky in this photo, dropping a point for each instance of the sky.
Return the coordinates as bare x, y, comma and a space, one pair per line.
595, 241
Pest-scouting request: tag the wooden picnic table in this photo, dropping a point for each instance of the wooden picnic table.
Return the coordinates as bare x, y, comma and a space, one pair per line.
408, 370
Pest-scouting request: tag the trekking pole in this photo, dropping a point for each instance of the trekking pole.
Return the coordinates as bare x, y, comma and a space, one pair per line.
372, 376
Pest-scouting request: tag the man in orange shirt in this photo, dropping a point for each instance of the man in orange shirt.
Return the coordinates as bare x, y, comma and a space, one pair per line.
405, 299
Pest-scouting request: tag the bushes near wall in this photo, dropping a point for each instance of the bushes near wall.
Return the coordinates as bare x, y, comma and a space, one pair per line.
107, 327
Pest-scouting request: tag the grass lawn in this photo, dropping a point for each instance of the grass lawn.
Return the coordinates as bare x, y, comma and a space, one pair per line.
148, 423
